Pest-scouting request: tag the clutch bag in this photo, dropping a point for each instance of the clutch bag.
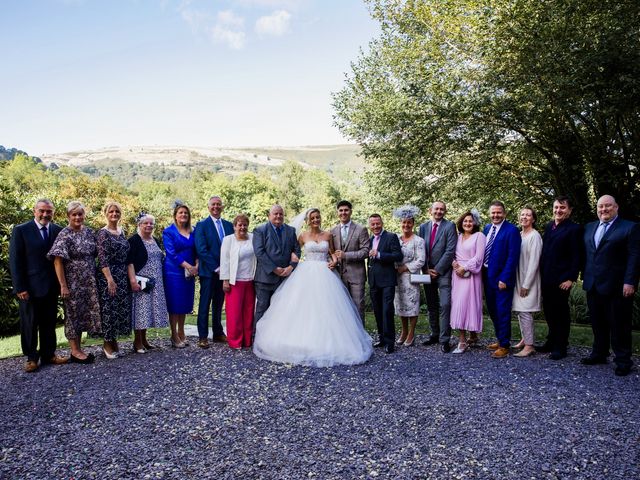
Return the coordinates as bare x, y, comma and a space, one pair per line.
146, 283
420, 278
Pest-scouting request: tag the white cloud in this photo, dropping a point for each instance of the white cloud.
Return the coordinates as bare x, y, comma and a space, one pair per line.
276, 24
229, 29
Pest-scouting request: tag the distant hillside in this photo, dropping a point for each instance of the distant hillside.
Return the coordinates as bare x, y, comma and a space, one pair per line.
169, 162
10, 153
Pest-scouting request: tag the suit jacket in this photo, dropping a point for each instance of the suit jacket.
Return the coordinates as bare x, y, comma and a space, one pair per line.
356, 249
382, 271
273, 251
444, 247
616, 261
208, 245
504, 256
31, 271
562, 253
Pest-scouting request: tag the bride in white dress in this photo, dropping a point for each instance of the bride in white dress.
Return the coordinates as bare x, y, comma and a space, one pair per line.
312, 319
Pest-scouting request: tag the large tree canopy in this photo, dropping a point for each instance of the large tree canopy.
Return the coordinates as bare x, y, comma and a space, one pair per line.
521, 100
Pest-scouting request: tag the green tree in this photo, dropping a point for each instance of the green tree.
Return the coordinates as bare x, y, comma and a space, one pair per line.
502, 98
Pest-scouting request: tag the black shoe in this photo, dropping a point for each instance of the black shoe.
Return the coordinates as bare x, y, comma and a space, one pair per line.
389, 349
622, 371
85, 361
593, 361
378, 344
445, 347
544, 348
557, 355
430, 341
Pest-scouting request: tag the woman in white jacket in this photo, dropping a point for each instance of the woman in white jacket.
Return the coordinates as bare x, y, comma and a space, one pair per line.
237, 268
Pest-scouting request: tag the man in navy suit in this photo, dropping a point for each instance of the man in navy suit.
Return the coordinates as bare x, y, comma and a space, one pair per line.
501, 257
384, 252
560, 262
209, 234
36, 286
610, 279
277, 253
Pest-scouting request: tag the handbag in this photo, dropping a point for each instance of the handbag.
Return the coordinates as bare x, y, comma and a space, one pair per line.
420, 278
146, 283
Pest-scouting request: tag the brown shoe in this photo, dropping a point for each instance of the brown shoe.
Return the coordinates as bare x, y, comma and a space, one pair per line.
220, 338
30, 366
493, 346
500, 352
56, 360
203, 343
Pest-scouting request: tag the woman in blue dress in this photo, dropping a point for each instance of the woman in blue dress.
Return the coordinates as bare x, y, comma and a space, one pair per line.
180, 271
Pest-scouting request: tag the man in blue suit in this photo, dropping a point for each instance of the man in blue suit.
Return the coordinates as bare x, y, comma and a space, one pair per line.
209, 234
610, 279
277, 253
36, 286
384, 252
501, 257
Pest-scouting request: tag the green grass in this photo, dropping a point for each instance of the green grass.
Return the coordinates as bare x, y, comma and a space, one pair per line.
580, 335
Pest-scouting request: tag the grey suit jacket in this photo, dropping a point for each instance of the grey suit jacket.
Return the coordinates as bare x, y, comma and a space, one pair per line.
444, 247
356, 250
273, 251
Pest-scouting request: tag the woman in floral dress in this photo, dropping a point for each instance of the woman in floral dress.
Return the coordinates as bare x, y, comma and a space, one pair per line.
74, 257
149, 304
113, 280
407, 299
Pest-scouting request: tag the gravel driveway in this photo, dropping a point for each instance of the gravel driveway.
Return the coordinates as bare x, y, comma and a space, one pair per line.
217, 413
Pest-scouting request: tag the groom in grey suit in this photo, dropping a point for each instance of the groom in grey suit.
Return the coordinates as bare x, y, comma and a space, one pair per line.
277, 252
440, 240
351, 242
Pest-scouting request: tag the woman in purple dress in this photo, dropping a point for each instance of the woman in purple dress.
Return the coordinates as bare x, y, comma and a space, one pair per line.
180, 270
466, 282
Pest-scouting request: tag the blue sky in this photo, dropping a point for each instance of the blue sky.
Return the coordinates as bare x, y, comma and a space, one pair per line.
82, 74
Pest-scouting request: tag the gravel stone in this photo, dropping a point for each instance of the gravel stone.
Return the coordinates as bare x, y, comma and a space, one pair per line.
218, 413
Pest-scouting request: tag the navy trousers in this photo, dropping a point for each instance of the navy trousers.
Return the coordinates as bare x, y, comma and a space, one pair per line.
499, 306
211, 296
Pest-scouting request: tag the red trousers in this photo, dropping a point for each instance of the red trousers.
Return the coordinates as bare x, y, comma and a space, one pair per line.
240, 305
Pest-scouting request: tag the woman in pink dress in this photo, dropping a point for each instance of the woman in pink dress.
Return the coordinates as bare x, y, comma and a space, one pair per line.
466, 282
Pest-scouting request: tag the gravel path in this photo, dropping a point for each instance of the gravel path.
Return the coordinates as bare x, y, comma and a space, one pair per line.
217, 413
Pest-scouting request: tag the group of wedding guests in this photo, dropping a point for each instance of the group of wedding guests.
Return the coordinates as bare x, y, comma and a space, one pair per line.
312, 312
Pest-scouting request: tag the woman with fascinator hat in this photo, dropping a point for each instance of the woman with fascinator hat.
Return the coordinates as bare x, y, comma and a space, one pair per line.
466, 281
149, 308
407, 299
311, 319
180, 270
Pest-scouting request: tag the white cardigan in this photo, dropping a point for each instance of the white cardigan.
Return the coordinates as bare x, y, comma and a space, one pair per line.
229, 258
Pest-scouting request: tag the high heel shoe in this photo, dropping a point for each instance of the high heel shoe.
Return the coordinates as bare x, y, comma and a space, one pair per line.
110, 356
400, 341
84, 361
408, 343
461, 348
175, 344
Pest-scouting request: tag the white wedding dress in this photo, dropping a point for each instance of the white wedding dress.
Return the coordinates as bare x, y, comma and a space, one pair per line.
312, 319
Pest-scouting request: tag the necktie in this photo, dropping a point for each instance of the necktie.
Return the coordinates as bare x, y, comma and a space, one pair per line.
434, 229
220, 229
45, 234
344, 234
487, 249
279, 230
376, 242
600, 233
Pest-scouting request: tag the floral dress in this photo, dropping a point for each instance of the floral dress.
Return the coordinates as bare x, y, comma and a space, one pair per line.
116, 311
407, 299
81, 308
150, 308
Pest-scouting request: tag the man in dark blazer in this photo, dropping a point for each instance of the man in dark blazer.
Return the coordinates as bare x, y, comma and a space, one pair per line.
209, 234
36, 286
384, 252
560, 262
610, 278
351, 242
501, 257
440, 240
277, 251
